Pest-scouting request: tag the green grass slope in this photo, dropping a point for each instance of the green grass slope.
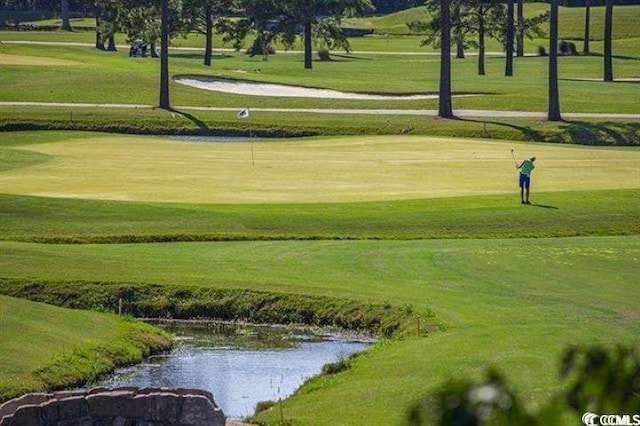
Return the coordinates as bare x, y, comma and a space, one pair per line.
503, 292
392, 23
514, 303
555, 214
45, 347
572, 21
571, 24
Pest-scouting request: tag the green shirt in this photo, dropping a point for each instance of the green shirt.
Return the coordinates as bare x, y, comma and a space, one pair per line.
527, 167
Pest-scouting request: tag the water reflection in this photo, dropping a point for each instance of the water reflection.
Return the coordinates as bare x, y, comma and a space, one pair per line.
240, 366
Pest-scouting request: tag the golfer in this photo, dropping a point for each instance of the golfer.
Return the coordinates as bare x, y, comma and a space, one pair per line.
525, 179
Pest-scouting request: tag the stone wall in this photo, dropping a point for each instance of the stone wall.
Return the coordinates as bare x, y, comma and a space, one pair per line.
121, 406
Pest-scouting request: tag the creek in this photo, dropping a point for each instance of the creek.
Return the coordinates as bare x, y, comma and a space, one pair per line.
240, 365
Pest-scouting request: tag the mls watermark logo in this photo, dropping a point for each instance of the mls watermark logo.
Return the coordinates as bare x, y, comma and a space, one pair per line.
591, 419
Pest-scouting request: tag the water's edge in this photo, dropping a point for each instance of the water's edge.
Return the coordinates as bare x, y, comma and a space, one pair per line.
241, 364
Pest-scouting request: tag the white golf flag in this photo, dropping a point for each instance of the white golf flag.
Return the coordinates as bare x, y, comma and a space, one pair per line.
243, 113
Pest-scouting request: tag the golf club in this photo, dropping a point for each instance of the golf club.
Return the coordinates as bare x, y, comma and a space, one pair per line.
514, 159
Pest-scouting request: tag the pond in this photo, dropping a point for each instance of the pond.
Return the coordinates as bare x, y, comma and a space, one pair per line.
240, 365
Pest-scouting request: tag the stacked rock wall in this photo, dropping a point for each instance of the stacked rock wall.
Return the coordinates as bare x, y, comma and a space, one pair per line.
126, 406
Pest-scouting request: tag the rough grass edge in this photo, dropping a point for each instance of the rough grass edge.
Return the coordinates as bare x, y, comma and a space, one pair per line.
197, 302
84, 364
590, 133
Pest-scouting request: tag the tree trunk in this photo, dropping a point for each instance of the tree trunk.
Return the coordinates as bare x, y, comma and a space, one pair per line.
66, 23
308, 60
111, 44
459, 46
608, 27
164, 57
480, 40
587, 26
445, 109
208, 36
99, 41
554, 96
455, 16
508, 69
520, 32
264, 46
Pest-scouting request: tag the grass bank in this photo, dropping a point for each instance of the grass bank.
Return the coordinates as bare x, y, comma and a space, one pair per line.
181, 121
197, 302
41, 355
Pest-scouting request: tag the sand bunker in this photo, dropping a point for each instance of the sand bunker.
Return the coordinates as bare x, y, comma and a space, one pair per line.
281, 90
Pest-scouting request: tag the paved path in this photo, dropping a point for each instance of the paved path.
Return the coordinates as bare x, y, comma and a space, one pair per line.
217, 49
355, 111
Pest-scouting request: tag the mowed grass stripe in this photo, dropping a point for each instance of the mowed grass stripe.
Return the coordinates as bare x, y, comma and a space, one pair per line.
434, 272
596, 213
306, 171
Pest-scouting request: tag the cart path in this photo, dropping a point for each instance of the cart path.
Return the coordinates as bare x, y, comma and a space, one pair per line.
282, 51
353, 111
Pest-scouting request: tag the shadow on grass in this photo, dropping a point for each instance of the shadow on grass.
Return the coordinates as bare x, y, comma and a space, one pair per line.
545, 206
600, 55
601, 133
527, 132
585, 80
199, 55
195, 120
345, 56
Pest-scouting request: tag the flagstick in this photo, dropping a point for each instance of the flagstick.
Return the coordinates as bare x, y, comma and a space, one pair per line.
244, 113
253, 163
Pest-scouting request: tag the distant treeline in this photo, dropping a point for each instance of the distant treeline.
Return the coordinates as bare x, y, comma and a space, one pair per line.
581, 3
49, 7
387, 6
83, 6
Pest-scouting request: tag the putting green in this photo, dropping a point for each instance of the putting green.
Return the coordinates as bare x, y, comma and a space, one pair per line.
7, 59
315, 170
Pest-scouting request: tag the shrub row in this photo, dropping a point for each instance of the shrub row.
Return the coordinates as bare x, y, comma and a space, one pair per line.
155, 129
597, 133
196, 302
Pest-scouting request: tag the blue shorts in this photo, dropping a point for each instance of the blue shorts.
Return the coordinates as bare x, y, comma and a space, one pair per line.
525, 181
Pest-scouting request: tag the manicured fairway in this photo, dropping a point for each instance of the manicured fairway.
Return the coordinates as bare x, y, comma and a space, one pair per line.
512, 302
302, 171
538, 273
